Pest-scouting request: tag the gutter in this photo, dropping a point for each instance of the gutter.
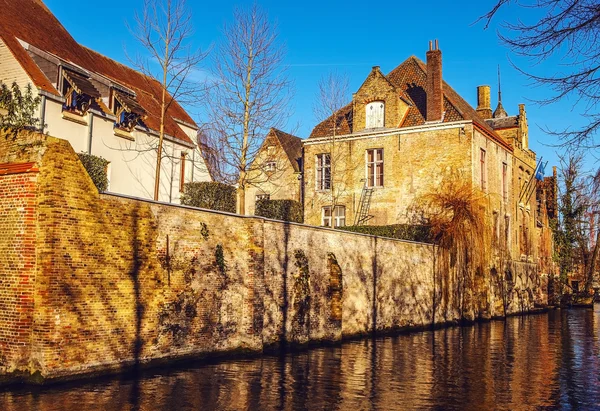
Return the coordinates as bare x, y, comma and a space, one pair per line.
389, 132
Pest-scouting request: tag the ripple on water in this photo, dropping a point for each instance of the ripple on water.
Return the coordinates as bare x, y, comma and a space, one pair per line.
549, 361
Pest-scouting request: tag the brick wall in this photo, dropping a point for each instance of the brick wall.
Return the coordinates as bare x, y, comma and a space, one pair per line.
17, 263
98, 282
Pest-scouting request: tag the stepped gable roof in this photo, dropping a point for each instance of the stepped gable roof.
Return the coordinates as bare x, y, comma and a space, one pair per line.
32, 22
292, 146
410, 78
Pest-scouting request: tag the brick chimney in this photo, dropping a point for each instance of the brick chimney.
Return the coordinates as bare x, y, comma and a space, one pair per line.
484, 105
435, 94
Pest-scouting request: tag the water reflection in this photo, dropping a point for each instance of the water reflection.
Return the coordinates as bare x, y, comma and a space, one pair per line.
535, 362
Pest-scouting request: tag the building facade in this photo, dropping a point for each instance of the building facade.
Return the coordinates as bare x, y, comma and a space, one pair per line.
405, 132
275, 173
100, 106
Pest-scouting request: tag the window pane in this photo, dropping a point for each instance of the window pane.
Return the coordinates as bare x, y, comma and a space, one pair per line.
380, 155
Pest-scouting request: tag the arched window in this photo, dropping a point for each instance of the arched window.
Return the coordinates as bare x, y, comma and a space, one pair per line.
375, 114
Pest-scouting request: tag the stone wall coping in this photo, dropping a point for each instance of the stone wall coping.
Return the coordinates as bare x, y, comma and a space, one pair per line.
252, 217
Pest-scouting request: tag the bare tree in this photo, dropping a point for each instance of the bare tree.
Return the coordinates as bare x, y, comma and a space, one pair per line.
577, 235
568, 30
164, 29
332, 96
250, 93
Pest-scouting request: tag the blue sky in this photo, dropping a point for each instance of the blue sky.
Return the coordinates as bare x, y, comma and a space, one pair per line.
350, 37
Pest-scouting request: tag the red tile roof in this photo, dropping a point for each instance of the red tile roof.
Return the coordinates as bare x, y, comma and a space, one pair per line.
410, 79
32, 22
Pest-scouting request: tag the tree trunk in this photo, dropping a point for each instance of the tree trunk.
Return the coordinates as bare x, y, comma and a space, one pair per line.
162, 111
589, 278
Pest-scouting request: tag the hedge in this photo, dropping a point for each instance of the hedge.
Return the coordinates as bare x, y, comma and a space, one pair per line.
284, 210
97, 170
420, 233
211, 195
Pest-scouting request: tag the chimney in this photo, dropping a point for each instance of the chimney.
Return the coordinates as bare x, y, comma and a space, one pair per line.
484, 105
435, 94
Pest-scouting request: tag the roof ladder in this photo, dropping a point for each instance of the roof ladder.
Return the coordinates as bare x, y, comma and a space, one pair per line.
362, 215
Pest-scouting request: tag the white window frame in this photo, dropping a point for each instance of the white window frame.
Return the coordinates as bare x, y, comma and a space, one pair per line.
337, 218
322, 183
270, 166
371, 168
326, 220
375, 114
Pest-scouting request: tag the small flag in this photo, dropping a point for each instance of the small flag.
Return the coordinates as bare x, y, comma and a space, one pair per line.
539, 174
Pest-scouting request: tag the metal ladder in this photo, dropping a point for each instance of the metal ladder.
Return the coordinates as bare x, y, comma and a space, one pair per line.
362, 216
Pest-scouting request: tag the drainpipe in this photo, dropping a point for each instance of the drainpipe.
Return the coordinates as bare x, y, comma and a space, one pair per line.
43, 113
193, 163
90, 132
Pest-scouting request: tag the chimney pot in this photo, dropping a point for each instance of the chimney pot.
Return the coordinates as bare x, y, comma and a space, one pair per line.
435, 93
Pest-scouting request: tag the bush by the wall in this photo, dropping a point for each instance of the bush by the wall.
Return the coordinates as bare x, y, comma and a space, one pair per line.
211, 195
97, 169
284, 210
420, 233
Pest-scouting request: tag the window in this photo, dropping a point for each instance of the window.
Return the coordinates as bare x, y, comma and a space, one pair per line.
270, 166
127, 110
182, 172
263, 197
323, 171
375, 167
483, 169
375, 114
338, 218
77, 91
505, 182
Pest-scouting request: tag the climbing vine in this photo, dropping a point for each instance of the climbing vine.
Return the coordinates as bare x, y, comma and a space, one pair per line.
301, 292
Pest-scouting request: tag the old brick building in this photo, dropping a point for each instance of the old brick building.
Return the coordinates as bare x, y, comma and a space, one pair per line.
397, 139
275, 172
100, 106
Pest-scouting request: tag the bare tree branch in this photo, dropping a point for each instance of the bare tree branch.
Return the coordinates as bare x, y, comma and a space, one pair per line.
250, 93
164, 28
567, 30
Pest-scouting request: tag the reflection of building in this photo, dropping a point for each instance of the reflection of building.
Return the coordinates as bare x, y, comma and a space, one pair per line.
275, 172
100, 106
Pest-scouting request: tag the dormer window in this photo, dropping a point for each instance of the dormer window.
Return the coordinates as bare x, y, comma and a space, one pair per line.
127, 110
375, 114
78, 92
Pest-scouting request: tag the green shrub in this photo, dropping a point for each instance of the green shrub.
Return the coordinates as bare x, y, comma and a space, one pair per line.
19, 108
211, 195
420, 233
284, 210
97, 169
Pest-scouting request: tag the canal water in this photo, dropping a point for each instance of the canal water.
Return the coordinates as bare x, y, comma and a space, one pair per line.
545, 361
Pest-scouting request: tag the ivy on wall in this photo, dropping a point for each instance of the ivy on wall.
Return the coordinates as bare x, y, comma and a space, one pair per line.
301, 293
97, 170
